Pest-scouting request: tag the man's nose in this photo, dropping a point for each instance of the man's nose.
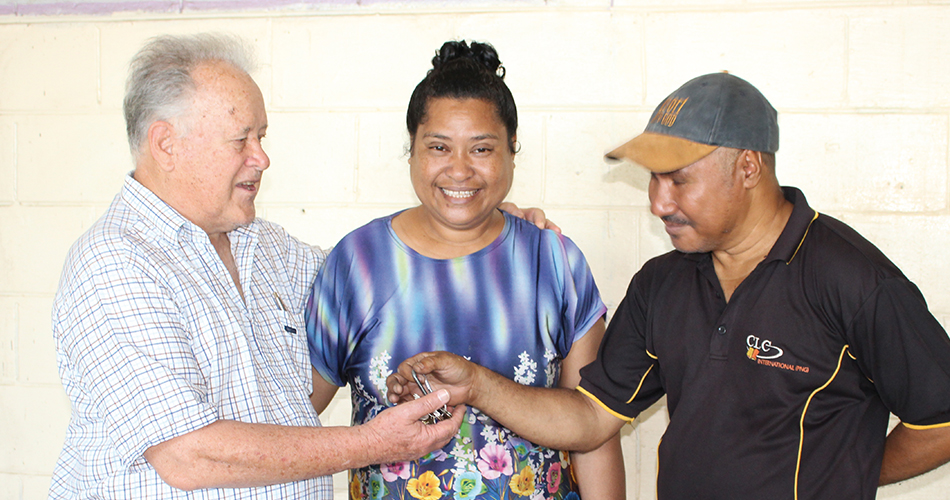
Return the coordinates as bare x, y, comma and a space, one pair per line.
258, 158
661, 201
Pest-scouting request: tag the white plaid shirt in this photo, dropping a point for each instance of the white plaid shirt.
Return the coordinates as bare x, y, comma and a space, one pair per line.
153, 341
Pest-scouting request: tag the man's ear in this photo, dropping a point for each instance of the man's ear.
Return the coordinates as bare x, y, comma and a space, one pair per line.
751, 164
162, 141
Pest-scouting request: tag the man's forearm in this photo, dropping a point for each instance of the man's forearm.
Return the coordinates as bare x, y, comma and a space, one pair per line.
911, 452
562, 419
237, 454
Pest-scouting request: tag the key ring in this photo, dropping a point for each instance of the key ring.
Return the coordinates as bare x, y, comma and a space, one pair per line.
439, 414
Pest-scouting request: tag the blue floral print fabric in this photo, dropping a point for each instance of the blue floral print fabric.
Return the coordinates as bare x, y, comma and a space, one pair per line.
515, 306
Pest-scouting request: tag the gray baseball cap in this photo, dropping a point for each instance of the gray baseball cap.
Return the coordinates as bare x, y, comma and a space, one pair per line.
707, 112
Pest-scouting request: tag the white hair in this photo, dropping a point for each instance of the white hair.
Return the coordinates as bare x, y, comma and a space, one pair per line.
160, 82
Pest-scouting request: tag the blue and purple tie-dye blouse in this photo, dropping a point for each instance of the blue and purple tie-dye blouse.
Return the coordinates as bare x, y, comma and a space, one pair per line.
515, 306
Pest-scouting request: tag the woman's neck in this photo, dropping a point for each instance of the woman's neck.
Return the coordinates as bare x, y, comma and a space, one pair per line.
422, 233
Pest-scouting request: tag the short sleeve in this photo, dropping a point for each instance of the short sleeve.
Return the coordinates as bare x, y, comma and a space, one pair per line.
905, 352
584, 306
624, 378
119, 334
330, 317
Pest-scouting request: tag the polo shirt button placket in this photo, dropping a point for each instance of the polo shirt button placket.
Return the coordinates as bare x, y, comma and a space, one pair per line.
718, 343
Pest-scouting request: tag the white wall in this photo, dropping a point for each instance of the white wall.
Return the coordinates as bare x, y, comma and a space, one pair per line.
862, 89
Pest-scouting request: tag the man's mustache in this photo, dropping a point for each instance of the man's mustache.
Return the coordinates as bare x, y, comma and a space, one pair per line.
672, 219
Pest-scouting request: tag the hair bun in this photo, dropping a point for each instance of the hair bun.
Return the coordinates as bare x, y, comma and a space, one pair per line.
481, 53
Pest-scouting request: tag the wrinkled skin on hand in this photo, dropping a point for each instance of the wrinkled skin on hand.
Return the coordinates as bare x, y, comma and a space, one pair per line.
402, 436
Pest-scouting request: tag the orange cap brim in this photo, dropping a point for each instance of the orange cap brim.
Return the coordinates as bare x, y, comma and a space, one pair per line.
661, 153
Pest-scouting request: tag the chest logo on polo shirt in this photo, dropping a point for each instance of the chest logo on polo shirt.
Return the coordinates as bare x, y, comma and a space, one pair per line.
763, 351
762, 348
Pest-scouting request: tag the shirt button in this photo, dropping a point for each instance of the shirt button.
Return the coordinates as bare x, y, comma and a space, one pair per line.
721, 330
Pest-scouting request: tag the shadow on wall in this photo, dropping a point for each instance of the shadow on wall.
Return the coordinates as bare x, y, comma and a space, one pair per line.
638, 178
630, 174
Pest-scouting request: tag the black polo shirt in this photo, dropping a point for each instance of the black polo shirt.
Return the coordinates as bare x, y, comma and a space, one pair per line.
784, 392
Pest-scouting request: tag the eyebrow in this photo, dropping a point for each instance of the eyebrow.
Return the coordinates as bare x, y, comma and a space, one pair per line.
447, 138
247, 130
484, 136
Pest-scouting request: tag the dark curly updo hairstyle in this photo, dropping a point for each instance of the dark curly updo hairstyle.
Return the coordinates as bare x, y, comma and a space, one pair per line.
460, 71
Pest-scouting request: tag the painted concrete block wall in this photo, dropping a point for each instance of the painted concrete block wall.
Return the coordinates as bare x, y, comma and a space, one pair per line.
862, 88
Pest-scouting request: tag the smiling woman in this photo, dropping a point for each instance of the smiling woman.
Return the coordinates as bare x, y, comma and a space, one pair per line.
462, 122
455, 273
461, 170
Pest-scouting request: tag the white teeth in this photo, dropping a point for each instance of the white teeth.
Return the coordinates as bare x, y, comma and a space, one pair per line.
459, 194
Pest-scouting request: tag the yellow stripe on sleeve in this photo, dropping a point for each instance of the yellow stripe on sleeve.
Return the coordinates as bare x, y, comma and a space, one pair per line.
925, 427
602, 405
644, 377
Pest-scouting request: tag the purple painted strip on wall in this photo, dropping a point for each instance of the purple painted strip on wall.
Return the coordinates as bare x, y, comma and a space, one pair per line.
95, 8
258, 4
57, 7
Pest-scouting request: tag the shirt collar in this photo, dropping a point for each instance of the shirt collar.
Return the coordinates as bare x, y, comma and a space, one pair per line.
159, 216
796, 229
164, 219
793, 235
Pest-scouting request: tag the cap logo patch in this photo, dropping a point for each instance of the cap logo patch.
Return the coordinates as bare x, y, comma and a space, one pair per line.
668, 111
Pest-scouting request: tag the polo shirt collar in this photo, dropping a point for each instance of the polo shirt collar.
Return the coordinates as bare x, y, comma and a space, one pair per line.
796, 229
792, 237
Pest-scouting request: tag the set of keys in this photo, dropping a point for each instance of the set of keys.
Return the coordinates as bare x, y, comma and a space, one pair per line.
439, 414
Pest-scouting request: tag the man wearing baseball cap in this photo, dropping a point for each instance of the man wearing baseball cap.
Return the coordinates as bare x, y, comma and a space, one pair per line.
782, 339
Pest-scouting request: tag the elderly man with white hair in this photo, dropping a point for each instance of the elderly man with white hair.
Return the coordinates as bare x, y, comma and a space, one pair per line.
179, 318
